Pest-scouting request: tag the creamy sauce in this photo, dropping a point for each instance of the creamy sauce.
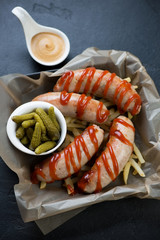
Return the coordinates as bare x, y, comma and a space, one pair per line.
47, 47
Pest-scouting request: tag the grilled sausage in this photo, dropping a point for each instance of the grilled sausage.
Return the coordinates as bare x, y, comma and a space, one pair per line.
76, 105
102, 84
113, 159
63, 164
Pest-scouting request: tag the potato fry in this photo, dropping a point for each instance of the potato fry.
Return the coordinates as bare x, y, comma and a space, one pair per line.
135, 171
138, 153
76, 132
42, 185
135, 86
130, 115
128, 79
69, 185
74, 125
126, 171
137, 167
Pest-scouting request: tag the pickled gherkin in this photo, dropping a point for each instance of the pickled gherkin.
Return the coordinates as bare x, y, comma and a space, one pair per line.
36, 137
28, 123
38, 119
52, 116
25, 140
45, 147
29, 133
21, 118
51, 129
20, 132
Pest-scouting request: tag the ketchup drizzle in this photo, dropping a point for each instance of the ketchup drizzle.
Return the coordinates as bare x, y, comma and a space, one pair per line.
118, 120
121, 90
65, 97
69, 156
89, 73
107, 166
101, 117
108, 84
114, 159
98, 82
67, 78
82, 103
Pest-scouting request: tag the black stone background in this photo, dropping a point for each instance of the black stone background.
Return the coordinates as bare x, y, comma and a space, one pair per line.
129, 25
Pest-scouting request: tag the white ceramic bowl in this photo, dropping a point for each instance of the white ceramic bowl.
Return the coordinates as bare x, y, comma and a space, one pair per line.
27, 108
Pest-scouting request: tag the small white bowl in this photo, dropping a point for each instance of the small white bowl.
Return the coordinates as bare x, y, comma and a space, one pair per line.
27, 108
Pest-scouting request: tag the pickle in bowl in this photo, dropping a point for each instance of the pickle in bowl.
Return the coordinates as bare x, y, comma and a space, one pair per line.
21, 130
38, 130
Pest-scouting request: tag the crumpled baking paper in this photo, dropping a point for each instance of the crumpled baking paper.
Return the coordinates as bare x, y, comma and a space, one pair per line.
52, 204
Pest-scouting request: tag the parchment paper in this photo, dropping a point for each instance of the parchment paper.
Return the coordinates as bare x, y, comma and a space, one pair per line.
53, 201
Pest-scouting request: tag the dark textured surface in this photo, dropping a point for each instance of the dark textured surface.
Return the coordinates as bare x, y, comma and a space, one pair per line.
129, 25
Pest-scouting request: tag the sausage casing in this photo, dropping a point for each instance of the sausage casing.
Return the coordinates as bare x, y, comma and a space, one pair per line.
101, 84
76, 105
113, 159
70, 160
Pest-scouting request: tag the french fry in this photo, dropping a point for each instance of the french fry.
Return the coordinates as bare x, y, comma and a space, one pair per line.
128, 79
76, 132
134, 156
138, 153
126, 172
42, 185
130, 115
135, 171
137, 167
69, 185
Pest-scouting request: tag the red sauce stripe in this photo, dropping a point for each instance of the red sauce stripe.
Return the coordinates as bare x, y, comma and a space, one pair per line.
101, 117
84, 74
85, 149
109, 82
82, 104
37, 171
72, 159
123, 122
124, 89
135, 97
121, 137
98, 82
52, 166
78, 150
67, 160
107, 166
92, 135
114, 159
67, 78
65, 97
90, 76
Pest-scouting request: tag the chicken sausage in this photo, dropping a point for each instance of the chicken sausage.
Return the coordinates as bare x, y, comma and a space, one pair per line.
70, 160
101, 84
76, 105
113, 159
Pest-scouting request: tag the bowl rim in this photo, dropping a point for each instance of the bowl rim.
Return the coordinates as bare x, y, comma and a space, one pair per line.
30, 106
